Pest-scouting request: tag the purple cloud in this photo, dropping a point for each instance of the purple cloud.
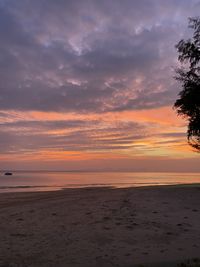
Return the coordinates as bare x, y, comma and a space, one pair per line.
89, 55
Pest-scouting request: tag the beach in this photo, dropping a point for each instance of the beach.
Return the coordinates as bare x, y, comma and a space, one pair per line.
152, 226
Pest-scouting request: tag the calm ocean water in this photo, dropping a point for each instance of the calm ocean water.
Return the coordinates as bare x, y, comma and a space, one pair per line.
47, 181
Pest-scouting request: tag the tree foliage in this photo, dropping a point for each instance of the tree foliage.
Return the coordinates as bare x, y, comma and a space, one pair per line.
188, 103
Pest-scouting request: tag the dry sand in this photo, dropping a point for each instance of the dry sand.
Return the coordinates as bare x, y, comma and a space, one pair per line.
100, 227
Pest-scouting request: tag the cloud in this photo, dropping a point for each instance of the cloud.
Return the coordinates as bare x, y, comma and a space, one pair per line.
73, 135
89, 56
109, 63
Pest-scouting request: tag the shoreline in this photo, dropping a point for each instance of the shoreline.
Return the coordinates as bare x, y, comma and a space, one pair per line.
43, 181
103, 226
35, 188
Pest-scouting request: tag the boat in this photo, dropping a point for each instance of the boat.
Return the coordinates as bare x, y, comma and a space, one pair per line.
8, 173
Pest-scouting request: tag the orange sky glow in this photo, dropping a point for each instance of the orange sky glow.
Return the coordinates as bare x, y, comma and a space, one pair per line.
153, 144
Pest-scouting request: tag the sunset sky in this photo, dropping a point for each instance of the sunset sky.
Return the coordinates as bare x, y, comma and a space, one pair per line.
88, 85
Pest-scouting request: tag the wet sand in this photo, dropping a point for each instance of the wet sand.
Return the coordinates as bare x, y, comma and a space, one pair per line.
96, 227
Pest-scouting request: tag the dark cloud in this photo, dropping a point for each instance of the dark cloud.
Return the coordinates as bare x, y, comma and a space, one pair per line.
89, 55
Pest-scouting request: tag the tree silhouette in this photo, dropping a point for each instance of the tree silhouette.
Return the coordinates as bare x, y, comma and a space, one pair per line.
188, 103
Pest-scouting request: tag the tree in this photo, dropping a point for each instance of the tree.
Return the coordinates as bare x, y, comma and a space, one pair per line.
188, 103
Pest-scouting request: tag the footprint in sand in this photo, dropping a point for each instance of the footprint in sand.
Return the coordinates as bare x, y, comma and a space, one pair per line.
129, 227
127, 254
20, 219
106, 218
106, 228
194, 246
169, 233
195, 210
31, 211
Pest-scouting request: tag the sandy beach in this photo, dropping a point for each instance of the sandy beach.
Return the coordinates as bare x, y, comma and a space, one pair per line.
155, 226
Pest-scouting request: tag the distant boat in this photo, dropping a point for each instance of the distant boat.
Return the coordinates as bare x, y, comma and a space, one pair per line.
8, 173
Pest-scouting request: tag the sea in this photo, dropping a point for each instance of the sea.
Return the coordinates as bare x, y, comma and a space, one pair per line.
24, 181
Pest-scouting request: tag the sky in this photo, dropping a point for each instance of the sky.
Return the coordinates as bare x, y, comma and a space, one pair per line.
89, 85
